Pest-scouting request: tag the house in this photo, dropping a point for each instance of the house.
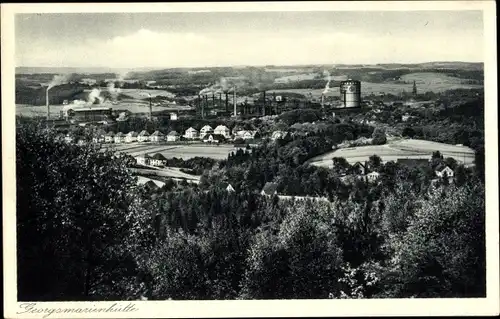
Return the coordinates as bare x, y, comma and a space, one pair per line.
405, 117
191, 133
99, 136
442, 171
150, 185
119, 137
213, 138
173, 136
157, 136
109, 137
131, 137
226, 186
247, 135
173, 116
88, 81
240, 134
278, 135
158, 160
143, 136
372, 177
143, 159
236, 130
269, 189
360, 169
68, 138
207, 129
222, 130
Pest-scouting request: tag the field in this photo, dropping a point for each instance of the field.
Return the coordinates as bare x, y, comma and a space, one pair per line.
170, 172
143, 94
426, 81
218, 152
406, 148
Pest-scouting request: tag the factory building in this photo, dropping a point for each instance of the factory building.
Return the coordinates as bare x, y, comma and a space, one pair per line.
350, 93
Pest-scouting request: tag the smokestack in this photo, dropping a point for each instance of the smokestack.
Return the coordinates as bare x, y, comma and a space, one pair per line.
220, 99
322, 101
227, 102
150, 109
47, 103
234, 100
275, 103
213, 100
203, 106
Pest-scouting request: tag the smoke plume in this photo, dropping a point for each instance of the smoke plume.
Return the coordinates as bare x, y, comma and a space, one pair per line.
113, 91
58, 80
222, 86
327, 86
94, 95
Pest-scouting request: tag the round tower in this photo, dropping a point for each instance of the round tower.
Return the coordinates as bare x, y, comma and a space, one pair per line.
350, 93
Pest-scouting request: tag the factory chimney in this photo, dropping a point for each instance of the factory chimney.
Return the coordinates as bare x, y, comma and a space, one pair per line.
203, 106
322, 101
213, 100
220, 99
275, 103
47, 102
234, 100
227, 102
150, 109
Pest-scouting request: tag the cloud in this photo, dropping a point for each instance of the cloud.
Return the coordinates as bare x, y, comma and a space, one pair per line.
147, 48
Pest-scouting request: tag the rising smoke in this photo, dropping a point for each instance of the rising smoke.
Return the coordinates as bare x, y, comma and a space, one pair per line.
327, 86
222, 86
94, 95
113, 90
58, 80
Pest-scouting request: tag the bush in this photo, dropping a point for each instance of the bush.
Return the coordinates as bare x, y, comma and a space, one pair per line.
379, 137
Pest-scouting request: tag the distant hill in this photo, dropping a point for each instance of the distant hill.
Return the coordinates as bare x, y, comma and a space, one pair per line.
98, 70
79, 70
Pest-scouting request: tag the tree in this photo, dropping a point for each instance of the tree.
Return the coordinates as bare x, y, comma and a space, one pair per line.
378, 136
414, 91
408, 132
340, 165
79, 221
374, 162
442, 253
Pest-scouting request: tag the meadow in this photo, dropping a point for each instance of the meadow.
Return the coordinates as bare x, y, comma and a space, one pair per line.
405, 148
218, 152
426, 82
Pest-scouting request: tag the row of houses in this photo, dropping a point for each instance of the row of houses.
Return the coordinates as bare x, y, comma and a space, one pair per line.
133, 136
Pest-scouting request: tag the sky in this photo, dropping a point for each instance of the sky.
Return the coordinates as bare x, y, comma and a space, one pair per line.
189, 39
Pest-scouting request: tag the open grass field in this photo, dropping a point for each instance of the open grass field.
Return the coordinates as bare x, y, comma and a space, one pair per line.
185, 152
406, 148
170, 172
435, 82
143, 94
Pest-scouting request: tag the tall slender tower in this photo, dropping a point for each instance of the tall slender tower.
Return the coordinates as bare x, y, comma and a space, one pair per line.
150, 109
47, 103
234, 101
227, 101
414, 87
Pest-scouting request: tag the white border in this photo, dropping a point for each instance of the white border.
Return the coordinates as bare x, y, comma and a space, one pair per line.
272, 308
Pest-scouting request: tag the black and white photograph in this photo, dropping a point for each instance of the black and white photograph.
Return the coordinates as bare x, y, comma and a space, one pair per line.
214, 153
